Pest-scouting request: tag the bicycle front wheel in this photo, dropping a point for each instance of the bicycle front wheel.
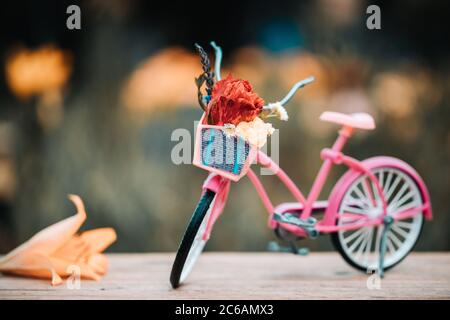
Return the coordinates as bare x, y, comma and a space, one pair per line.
192, 243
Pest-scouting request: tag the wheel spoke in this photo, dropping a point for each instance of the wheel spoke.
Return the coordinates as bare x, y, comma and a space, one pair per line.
351, 217
378, 239
361, 196
401, 201
354, 210
390, 246
368, 246
392, 188
399, 231
358, 241
376, 193
357, 202
380, 178
400, 193
388, 181
367, 192
393, 237
353, 236
363, 245
406, 208
404, 224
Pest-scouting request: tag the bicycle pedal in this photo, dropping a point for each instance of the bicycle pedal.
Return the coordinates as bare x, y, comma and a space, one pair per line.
292, 218
309, 225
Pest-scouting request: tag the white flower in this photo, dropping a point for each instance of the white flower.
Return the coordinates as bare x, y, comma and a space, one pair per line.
255, 131
279, 111
229, 129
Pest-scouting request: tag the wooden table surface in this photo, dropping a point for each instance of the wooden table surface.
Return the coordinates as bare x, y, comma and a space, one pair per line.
248, 276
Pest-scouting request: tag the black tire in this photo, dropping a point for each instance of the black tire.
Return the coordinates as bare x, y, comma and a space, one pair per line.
189, 236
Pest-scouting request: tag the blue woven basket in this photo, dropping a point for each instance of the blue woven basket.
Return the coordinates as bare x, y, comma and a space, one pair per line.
223, 152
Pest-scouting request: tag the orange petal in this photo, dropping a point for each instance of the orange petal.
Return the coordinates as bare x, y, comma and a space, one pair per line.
99, 239
86, 244
69, 268
32, 265
98, 262
56, 251
51, 238
73, 250
56, 279
87, 272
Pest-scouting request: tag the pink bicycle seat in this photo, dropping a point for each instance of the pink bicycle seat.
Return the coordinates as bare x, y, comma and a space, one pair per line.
355, 120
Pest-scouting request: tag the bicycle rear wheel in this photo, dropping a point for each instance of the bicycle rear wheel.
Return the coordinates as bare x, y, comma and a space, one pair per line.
360, 248
192, 244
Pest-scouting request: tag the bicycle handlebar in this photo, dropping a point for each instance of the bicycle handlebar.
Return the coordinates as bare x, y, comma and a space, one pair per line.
218, 59
294, 89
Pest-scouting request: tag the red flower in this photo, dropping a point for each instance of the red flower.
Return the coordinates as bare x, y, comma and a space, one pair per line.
233, 101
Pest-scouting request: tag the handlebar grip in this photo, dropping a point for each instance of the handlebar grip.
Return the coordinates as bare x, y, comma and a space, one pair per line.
294, 89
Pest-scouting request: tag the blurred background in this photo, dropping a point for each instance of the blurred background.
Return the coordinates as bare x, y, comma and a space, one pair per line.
92, 111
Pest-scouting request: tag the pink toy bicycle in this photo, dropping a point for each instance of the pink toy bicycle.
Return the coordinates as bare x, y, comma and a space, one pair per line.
375, 212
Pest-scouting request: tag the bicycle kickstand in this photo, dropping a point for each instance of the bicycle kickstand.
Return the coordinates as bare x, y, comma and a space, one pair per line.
387, 222
273, 246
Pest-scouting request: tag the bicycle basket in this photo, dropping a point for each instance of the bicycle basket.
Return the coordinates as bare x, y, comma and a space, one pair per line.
226, 155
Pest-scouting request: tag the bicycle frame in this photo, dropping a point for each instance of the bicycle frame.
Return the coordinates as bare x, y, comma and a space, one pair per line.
369, 198
330, 157
219, 182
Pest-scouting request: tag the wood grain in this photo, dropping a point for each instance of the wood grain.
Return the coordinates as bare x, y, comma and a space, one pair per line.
247, 276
